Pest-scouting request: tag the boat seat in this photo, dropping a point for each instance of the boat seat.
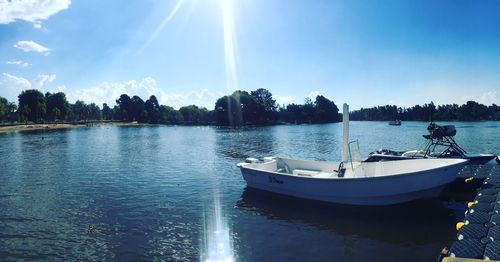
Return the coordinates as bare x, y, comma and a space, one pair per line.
303, 172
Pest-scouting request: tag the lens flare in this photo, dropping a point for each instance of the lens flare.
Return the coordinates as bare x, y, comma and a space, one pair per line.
163, 23
230, 55
229, 45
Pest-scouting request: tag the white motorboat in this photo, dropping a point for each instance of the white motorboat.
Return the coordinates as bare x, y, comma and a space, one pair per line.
441, 144
366, 183
395, 122
352, 182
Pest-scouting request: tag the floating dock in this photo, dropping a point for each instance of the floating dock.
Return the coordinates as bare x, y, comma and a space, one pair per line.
478, 236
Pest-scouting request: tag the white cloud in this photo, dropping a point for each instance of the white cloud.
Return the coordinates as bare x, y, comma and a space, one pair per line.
202, 97
284, 100
32, 11
107, 92
487, 98
42, 80
11, 86
18, 62
16, 81
313, 95
30, 46
61, 88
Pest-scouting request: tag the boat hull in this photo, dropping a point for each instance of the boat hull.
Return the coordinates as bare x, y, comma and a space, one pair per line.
474, 159
479, 159
383, 190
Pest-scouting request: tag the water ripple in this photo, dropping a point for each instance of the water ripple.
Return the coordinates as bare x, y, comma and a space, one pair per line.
147, 193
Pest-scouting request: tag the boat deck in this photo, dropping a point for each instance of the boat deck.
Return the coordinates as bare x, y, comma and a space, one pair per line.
478, 236
322, 174
313, 173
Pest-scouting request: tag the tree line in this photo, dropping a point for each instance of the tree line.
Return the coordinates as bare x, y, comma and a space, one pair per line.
239, 108
470, 111
259, 107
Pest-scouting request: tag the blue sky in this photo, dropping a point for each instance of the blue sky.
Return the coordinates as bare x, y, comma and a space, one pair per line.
365, 53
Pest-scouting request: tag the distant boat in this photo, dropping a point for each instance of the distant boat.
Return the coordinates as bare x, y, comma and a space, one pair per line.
351, 182
441, 144
395, 123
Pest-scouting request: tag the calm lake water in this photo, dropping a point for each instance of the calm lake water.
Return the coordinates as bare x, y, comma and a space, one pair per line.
174, 193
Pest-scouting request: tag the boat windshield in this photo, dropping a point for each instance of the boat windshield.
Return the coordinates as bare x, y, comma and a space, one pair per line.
354, 153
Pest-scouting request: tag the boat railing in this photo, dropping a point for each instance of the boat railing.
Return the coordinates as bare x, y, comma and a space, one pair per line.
448, 143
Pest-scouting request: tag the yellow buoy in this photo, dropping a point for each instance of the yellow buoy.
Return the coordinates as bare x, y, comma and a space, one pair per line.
459, 225
467, 180
470, 204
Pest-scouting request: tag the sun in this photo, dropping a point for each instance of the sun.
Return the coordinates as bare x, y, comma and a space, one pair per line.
227, 3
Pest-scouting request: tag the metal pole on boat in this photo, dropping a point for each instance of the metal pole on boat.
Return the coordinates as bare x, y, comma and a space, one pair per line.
345, 134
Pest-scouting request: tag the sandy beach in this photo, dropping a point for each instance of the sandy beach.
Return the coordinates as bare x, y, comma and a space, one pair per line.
32, 127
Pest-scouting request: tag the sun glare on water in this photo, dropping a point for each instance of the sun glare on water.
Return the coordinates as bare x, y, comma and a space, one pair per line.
218, 243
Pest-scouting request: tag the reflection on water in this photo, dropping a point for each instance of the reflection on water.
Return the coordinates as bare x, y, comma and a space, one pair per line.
383, 223
240, 143
217, 244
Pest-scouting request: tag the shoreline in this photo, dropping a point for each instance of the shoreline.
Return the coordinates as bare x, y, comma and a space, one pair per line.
65, 125
54, 126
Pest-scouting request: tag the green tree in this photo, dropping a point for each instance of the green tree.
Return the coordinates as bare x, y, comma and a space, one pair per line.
264, 97
252, 111
308, 110
325, 110
124, 104
79, 111
206, 116
168, 115
11, 112
3, 108
228, 111
470, 111
239, 108
138, 112
55, 113
292, 113
152, 108
268, 104
494, 112
57, 101
190, 114
116, 113
32, 104
94, 112
107, 112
